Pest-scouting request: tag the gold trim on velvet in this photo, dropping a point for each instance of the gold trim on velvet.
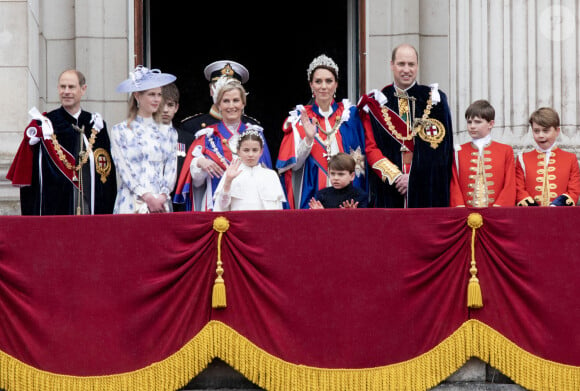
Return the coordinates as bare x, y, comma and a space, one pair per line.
172, 373
472, 339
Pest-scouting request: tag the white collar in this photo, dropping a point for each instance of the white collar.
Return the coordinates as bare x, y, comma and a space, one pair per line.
546, 150
325, 114
75, 115
481, 143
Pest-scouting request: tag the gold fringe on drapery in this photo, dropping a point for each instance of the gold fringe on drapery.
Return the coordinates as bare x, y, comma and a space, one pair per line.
172, 373
472, 339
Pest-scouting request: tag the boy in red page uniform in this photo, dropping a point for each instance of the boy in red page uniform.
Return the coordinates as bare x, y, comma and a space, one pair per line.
483, 170
547, 175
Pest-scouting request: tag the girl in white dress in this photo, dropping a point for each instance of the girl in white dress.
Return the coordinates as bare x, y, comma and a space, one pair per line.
246, 184
143, 149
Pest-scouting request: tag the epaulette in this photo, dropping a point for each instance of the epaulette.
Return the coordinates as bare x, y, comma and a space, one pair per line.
253, 119
191, 117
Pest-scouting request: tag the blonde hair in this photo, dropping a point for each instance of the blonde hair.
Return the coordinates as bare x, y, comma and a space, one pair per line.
134, 108
231, 84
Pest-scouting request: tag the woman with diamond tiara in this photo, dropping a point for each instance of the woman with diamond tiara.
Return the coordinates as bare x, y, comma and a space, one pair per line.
247, 185
215, 147
314, 133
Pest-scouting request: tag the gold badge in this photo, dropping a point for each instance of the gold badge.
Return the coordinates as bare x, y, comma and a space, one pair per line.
227, 71
430, 130
102, 163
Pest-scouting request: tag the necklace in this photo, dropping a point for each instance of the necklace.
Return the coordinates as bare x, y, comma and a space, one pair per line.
330, 135
332, 130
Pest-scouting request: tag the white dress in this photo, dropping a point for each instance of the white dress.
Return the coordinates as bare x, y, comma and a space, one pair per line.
256, 188
146, 162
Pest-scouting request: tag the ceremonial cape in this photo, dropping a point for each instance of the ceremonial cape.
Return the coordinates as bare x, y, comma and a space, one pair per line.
302, 183
430, 172
49, 186
213, 142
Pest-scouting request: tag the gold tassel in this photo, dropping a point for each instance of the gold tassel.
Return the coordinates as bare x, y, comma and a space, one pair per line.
218, 297
474, 296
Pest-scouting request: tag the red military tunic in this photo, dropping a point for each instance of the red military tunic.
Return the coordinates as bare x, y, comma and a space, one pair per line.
533, 181
486, 180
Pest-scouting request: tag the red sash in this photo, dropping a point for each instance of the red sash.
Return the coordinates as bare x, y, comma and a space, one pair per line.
20, 172
398, 123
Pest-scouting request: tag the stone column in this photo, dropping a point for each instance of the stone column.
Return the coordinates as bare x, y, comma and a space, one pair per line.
519, 55
101, 52
40, 39
20, 75
20, 80
422, 23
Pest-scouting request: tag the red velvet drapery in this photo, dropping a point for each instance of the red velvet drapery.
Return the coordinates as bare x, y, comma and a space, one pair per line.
351, 289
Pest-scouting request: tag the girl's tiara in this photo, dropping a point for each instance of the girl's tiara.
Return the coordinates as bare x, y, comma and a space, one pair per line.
252, 130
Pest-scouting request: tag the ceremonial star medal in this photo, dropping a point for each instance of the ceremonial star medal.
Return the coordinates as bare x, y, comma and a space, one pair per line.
359, 160
430, 130
102, 163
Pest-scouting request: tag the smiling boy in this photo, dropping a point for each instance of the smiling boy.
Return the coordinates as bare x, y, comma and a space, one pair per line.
484, 170
547, 175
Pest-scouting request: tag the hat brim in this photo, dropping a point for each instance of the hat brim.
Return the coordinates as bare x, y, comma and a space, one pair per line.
242, 71
152, 80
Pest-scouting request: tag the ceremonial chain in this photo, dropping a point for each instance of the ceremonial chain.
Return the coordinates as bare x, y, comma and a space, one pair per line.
409, 137
331, 131
217, 152
329, 135
84, 155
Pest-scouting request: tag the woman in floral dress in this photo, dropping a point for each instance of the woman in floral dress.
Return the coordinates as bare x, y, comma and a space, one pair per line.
143, 149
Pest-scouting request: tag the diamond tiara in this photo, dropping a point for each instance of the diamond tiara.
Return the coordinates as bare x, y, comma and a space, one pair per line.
322, 60
251, 130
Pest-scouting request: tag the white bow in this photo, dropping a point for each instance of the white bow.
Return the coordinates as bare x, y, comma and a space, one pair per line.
97, 121
31, 134
140, 73
435, 97
47, 129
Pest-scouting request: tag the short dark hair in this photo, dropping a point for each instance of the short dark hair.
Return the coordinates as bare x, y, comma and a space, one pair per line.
545, 117
482, 109
341, 162
170, 92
